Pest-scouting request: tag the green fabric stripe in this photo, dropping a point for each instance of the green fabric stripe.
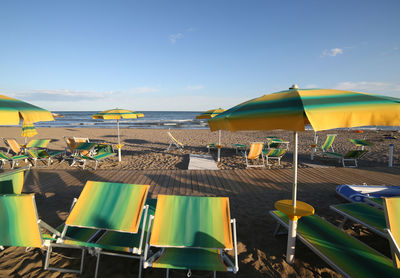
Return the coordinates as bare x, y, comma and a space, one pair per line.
190, 258
359, 142
4, 156
367, 214
328, 142
274, 152
12, 182
354, 153
101, 156
38, 143
353, 257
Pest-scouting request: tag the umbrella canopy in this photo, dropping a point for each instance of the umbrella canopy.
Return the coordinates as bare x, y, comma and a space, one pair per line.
13, 110
28, 129
295, 108
210, 113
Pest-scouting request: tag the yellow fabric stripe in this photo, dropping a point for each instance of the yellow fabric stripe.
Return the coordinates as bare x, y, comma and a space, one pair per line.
14, 145
255, 150
227, 223
392, 212
155, 234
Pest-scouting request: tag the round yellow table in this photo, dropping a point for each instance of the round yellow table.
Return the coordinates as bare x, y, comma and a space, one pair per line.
294, 213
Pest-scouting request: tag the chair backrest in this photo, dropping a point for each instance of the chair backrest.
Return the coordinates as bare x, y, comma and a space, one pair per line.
70, 143
255, 150
109, 206
192, 221
174, 139
13, 145
273, 152
392, 214
38, 143
328, 142
12, 182
19, 222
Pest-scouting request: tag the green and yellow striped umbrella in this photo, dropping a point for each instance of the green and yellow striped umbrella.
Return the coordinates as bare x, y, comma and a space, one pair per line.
295, 108
210, 113
117, 114
13, 110
28, 130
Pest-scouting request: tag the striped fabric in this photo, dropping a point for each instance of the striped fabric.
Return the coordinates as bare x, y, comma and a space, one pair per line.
38, 143
174, 139
100, 156
12, 110
322, 108
272, 152
361, 143
328, 142
255, 150
117, 114
210, 113
28, 129
11, 158
189, 221
392, 212
12, 182
13, 145
19, 221
110, 206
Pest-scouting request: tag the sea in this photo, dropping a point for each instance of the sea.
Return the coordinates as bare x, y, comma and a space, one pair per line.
151, 119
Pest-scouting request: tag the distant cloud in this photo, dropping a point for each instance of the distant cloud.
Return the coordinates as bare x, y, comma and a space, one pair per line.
174, 37
194, 87
144, 90
366, 86
62, 95
332, 52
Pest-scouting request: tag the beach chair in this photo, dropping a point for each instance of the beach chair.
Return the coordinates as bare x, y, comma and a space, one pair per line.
392, 212
328, 144
44, 155
211, 146
369, 217
275, 142
12, 159
273, 153
12, 182
361, 143
347, 255
38, 144
13, 145
107, 219
174, 142
97, 158
352, 155
240, 147
193, 234
73, 142
254, 154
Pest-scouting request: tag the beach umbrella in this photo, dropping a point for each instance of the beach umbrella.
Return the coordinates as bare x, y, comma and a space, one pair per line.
117, 114
211, 114
28, 130
13, 110
295, 108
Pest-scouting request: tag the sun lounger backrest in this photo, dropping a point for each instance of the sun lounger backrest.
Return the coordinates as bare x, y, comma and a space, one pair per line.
13, 145
392, 214
119, 203
328, 142
255, 150
191, 221
38, 143
174, 139
272, 152
18, 220
12, 182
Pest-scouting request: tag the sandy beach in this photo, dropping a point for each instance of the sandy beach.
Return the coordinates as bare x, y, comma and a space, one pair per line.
252, 194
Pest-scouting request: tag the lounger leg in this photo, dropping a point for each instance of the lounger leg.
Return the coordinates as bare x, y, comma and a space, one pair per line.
12, 164
215, 274
95, 167
167, 275
140, 267
97, 265
47, 261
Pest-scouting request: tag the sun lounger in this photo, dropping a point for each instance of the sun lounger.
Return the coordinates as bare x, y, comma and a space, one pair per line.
193, 234
97, 158
273, 153
12, 159
342, 252
174, 142
328, 144
44, 155
372, 218
392, 212
275, 142
12, 182
13, 145
254, 154
353, 156
108, 218
240, 147
361, 143
38, 143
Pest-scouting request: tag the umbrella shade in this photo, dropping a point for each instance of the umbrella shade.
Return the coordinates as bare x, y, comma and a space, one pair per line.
28, 130
13, 110
117, 114
210, 113
321, 108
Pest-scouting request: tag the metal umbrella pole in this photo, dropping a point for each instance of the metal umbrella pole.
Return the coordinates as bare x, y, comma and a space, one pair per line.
119, 143
219, 145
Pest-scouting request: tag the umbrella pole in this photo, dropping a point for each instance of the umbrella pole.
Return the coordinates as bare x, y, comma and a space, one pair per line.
291, 244
219, 143
119, 143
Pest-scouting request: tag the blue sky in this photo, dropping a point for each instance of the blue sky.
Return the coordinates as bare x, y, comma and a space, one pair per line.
193, 55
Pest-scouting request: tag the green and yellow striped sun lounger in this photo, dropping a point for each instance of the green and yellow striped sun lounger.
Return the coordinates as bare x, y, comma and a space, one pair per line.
108, 217
372, 218
353, 156
12, 159
38, 143
342, 252
13, 145
328, 144
97, 158
392, 213
40, 154
273, 153
12, 182
361, 143
275, 142
193, 232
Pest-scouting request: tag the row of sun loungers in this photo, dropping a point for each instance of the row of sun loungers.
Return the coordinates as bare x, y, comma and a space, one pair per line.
118, 219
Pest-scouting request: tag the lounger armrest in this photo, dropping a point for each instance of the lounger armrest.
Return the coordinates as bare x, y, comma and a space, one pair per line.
43, 224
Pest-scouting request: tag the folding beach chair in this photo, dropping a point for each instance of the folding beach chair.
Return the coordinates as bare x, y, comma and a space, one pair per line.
12, 182
273, 153
254, 154
328, 143
193, 234
275, 142
44, 155
353, 156
38, 144
12, 159
73, 142
344, 253
361, 143
175, 142
392, 212
13, 145
108, 218
97, 158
